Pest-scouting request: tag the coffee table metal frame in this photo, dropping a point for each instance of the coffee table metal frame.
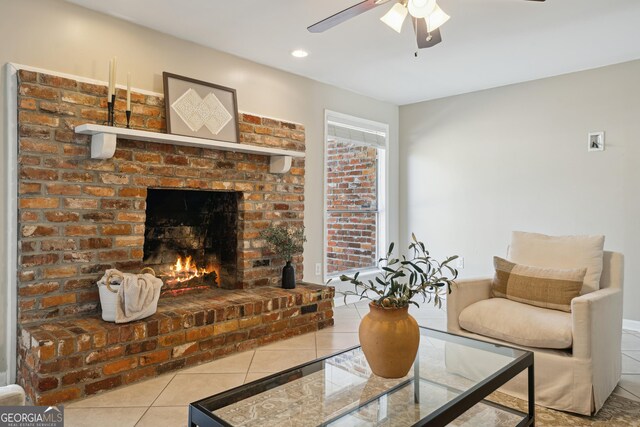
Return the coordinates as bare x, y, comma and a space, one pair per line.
201, 416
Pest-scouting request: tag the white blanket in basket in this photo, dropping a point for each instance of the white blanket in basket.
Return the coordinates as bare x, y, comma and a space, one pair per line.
137, 295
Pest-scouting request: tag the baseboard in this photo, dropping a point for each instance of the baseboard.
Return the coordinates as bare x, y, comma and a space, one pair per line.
632, 325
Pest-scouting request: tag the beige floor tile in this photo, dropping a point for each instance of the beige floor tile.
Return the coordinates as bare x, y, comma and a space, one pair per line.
363, 308
336, 340
279, 360
440, 324
322, 352
619, 391
171, 416
345, 313
634, 354
186, 388
234, 364
342, 317
351, 300
302, 342
102, 417
630, 365
342, 325
255, 376
341, 307
630, 342
139, 394
428, 312
630, 383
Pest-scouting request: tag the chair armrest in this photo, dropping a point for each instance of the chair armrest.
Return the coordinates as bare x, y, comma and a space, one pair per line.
597, 323
597, 335
463, 294
12, 395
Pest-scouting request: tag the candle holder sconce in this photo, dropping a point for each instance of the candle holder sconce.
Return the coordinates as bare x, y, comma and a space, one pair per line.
110, 110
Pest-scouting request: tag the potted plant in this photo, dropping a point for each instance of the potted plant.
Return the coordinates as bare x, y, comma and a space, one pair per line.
285, 242
389, 335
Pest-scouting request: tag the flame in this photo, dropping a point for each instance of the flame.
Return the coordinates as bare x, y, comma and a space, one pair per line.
187, 269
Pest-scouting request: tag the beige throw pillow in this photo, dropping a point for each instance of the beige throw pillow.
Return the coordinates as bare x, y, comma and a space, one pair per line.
560, 252
542, 287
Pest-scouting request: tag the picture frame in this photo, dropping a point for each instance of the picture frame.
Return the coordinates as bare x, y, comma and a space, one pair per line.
200, 109
596, 141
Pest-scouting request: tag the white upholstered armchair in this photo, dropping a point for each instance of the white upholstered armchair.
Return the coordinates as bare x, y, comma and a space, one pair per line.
577, 378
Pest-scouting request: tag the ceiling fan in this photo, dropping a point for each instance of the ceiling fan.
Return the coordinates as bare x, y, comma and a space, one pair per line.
426, 16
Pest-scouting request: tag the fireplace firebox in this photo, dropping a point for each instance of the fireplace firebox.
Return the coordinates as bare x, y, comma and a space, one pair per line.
191, 238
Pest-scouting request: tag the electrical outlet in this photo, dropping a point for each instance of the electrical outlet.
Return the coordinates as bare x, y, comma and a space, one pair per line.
460, 264
318, 268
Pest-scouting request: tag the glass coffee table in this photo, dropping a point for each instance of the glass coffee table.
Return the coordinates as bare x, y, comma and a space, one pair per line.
448, 385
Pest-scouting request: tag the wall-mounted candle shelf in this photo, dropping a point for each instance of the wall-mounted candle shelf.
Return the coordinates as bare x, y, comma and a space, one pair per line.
104, 140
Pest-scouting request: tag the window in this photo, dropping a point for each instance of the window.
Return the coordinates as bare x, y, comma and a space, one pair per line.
355, 157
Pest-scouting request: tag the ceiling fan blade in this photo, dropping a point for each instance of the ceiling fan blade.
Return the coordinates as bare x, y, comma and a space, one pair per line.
344, 15
423, 37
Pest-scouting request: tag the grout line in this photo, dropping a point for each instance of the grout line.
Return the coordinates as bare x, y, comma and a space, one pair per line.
631, 357
631, 393
246, 374
141, 416
163, 389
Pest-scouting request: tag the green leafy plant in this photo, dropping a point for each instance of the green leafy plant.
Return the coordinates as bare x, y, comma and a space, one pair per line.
402, 279
284, 241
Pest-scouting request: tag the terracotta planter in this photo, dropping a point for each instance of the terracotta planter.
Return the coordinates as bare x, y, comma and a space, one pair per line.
389, 338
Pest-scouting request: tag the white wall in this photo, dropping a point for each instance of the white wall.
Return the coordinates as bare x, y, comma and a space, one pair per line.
475, 167
59, 36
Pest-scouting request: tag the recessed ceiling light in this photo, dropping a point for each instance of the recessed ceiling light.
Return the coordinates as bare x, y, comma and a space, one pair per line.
299, 53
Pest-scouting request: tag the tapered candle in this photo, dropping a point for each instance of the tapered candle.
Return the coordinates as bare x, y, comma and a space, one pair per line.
110, 79
128, 91
113, 73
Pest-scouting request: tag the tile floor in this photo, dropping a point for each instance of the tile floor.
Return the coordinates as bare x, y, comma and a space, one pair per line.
163, 401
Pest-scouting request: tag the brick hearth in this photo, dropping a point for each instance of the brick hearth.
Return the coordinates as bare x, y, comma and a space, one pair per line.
67, 359
80, 216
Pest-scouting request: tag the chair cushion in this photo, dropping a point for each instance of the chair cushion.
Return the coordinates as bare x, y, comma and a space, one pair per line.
563, 252
542, 287
518, 323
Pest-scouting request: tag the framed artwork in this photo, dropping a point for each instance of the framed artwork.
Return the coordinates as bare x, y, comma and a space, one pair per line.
200, 109
596, 141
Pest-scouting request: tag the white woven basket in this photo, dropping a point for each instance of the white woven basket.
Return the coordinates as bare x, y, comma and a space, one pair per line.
109, 295
109, 298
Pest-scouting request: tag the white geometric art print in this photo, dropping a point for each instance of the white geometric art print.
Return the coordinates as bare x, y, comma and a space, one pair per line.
197, 112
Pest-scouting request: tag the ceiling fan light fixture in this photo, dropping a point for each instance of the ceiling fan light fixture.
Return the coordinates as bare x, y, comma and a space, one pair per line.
421, 8
436, 19
395, 17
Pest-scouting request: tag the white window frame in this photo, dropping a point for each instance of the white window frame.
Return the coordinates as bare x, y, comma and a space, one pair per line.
383, 184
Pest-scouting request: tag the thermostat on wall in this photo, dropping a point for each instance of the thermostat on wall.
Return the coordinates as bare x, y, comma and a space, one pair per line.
596, 141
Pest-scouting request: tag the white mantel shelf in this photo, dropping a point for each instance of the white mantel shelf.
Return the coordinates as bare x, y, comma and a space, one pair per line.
103, 144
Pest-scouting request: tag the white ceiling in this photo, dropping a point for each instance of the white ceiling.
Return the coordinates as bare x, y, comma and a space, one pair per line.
487, 43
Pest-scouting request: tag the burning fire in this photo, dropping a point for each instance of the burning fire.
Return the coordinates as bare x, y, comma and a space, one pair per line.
186, 269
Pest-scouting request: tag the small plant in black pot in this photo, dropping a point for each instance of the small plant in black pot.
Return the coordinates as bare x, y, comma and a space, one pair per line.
285, 242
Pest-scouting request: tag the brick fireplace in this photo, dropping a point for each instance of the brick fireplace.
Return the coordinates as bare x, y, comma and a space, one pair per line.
79, 216
192, 233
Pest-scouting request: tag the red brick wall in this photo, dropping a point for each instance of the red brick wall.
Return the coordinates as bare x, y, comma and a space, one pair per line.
351, 187
79, 216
